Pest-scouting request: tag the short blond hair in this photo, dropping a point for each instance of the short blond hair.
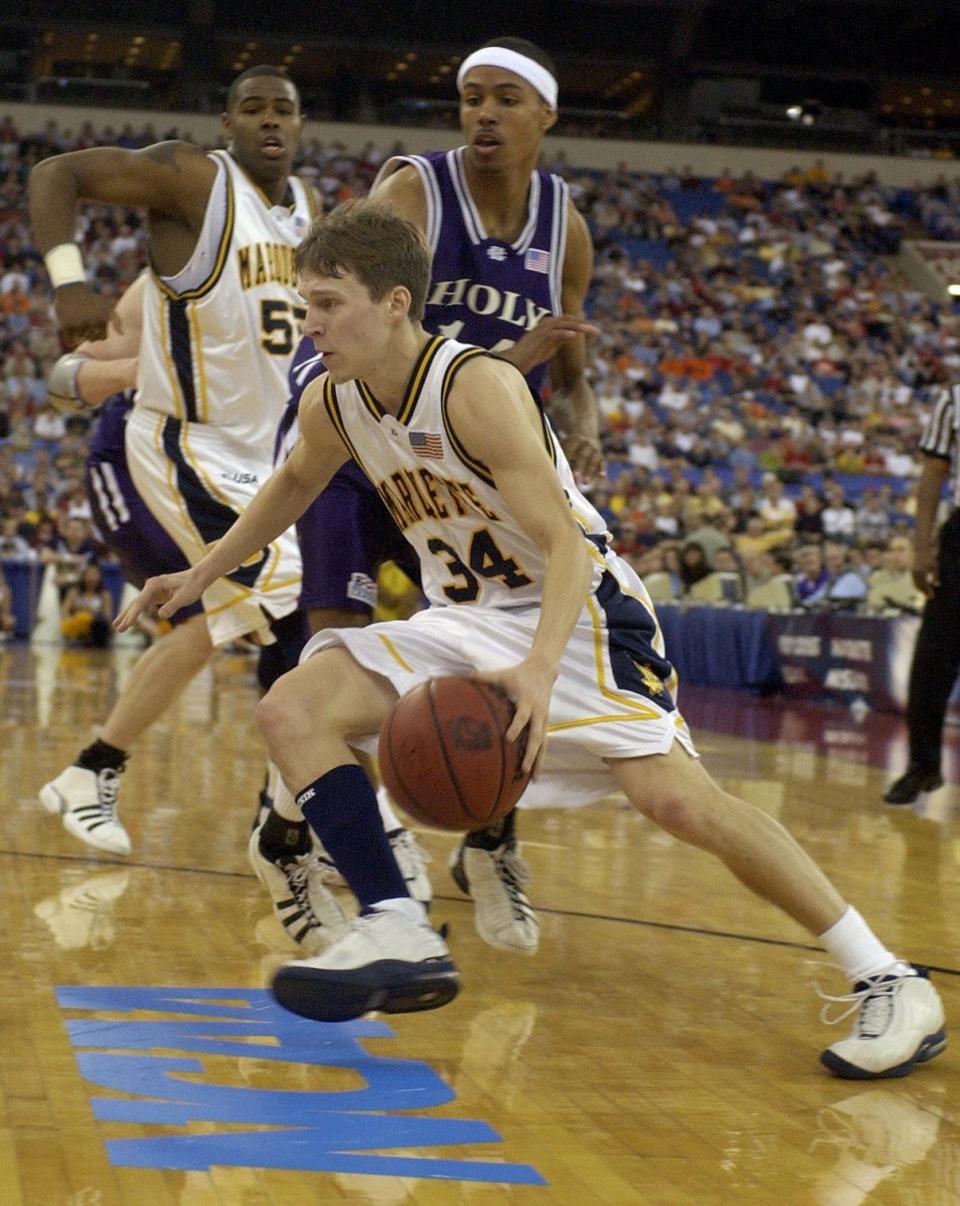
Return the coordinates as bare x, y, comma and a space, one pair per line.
370, 240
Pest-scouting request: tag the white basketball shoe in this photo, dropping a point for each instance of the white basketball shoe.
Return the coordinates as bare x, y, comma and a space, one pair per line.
899, 1023
495, 880
87, 803
385, 961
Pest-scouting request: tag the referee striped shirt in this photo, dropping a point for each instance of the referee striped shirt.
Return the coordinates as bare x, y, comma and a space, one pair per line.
941, 433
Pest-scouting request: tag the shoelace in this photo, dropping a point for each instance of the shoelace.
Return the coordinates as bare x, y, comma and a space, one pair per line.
874, 1000
108, 788
297, 871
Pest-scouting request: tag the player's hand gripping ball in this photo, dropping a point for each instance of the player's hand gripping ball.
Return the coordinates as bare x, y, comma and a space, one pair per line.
444, 756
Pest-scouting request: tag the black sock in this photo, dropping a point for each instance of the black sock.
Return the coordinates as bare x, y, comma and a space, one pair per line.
102, 756
280, 838
341, 807
500, 833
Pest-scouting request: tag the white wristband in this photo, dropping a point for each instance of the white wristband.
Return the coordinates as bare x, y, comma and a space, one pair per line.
63, 383
65, 265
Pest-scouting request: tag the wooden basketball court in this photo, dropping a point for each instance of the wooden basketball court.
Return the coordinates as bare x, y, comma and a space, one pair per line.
661, 1048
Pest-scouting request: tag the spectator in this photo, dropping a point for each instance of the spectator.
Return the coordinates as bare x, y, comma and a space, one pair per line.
812, 579
49, 424
872, 521
809, 525
838, 519
74, 550
891, 589
776, 511
847, 588
87, 610
694, 566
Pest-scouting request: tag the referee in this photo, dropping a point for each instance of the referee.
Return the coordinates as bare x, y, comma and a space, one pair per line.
936, 572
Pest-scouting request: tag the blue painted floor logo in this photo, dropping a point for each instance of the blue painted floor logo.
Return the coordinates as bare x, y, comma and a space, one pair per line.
332, 1132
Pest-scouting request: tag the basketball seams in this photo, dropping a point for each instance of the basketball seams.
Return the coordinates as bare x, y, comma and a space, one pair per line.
469, 781
501, 732
394, 764
441, 741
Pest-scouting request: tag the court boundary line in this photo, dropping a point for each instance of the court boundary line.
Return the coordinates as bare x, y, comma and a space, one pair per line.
645, 923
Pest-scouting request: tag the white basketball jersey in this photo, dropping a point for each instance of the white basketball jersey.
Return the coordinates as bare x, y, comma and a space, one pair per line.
219, 336
444, 500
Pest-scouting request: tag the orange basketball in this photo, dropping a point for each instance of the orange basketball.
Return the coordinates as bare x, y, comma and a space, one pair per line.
444, 756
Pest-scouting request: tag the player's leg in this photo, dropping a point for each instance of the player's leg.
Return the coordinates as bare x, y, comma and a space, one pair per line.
85, 793
900, 1019
933, 673
157, 679
280, 847
390, 959
343, 536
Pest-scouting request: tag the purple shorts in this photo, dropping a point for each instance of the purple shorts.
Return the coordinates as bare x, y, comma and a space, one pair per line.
345, 535
129, 529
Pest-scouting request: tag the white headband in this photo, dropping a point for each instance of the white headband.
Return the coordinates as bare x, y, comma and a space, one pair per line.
499, 56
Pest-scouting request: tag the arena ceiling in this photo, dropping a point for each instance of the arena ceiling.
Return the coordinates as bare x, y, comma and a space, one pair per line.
633, 56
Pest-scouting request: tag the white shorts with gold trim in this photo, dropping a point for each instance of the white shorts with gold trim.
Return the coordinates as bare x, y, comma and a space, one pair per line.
196, 480
592, 718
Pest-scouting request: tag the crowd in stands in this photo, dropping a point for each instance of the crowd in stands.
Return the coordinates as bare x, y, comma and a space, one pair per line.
763, 372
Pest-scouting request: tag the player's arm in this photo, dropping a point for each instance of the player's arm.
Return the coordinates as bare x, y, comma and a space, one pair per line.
571, 387
401, 188
170, 179
98, 369
495, 418
933, 473
278, 504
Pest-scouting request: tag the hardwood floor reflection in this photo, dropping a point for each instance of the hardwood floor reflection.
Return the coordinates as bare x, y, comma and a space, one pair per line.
661, 1047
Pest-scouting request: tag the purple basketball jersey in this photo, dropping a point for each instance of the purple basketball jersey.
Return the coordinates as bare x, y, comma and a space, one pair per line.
346, 532
482, 290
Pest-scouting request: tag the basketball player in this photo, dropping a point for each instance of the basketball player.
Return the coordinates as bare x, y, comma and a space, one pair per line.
221, 318
105, 372
512, 260
525, 591
344, 538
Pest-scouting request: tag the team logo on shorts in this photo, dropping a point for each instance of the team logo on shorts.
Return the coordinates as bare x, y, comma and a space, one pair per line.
650, 681
362, 589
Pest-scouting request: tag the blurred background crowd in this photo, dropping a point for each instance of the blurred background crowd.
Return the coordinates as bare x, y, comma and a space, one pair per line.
762, 370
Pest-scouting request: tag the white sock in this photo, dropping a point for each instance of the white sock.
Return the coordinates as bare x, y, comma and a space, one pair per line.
412, 909
857, 950
390, 819
284, 805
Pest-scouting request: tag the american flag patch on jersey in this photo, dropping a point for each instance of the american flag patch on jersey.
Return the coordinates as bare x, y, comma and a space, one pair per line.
536, 260
426, 443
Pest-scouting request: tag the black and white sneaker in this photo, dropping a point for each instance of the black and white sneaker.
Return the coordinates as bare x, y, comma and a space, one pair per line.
385, 962
87, 803
899, 1024
304, 906
495, 879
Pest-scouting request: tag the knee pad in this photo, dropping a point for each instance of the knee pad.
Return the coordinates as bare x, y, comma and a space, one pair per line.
275, 660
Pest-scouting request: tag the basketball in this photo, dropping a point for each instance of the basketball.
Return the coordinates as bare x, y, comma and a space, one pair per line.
444, 756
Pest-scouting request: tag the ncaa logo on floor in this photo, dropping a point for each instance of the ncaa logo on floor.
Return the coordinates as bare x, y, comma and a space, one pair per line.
318, 1131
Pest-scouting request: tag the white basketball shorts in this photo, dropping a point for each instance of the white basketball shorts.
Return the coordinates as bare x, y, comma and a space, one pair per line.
196, 480
593, 717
